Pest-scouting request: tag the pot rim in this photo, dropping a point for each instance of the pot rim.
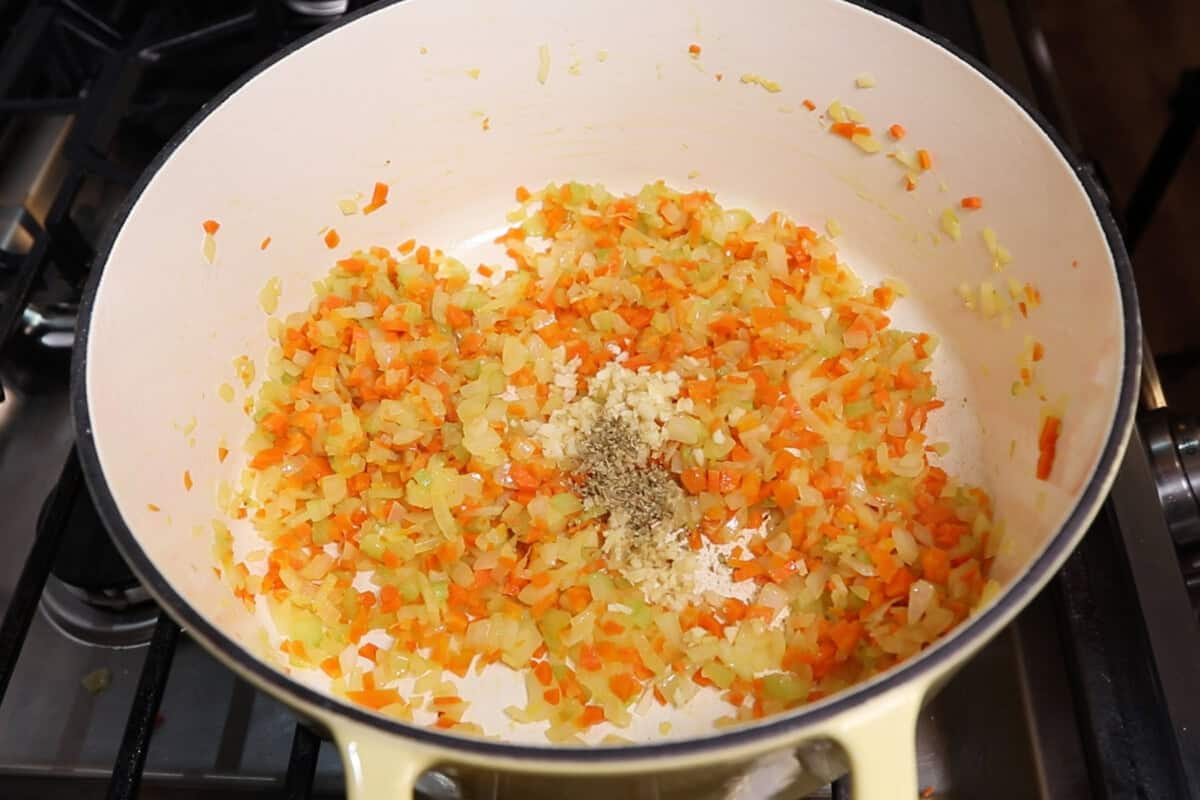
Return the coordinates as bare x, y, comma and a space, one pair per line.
923, 668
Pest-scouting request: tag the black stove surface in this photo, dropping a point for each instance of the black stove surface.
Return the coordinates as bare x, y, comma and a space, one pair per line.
1084, 696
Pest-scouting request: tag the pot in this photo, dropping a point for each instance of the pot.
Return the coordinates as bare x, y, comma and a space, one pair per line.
453, 103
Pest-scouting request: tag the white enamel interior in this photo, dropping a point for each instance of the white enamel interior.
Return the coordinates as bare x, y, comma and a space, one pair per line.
368, 103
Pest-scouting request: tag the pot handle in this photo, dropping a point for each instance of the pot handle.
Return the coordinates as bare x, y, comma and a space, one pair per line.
378, 766
880, 740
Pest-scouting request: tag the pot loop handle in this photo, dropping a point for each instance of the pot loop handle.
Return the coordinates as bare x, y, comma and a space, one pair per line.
378, 766
880, 739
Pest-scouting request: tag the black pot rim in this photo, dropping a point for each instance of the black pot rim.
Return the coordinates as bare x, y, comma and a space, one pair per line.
933, 662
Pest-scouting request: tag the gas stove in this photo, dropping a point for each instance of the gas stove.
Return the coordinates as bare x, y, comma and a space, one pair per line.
1084, 696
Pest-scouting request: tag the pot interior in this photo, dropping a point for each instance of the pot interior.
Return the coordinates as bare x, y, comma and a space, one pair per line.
395, 97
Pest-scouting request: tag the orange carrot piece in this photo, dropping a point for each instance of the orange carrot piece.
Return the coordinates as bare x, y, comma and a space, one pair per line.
374, 698
592, 715
935, 565
1048, 446
925, 159
379, 198
211, 226
332, 239
897, 132
265, 243
972, 202
623, 685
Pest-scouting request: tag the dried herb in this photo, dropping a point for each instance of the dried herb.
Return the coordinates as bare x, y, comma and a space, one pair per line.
618, 475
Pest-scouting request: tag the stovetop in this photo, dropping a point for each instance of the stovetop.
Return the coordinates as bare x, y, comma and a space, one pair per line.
1084, 696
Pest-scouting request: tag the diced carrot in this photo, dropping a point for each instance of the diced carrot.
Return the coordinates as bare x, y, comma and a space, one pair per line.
765, 316
332, 239
543, 673
935, 565
457, 317
810, 105
845, 635
265, 243
624, 686
211, 226
375, 698
592, 715
589, 659
379, 198
897, 132
925, 159
972, 202
1048, 446
693, 480
694, 49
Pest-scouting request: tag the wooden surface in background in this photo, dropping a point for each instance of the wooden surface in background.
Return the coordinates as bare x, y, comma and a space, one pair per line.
1119, 62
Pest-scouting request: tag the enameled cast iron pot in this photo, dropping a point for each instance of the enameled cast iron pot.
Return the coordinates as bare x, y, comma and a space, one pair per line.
386, 96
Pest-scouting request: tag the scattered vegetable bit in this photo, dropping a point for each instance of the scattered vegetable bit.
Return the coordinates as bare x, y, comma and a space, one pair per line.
97, 681
972, 202
694, 50
332, 239
379, 197
211, 226
473, 73
152, 507
209, 249
225, 391
1048, 446
543, 63
866, 142
757, 80
1001, 258
925, 159
951, 225
910, 182
268, 296
187, 480
265, 243
809, 104
865, 81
